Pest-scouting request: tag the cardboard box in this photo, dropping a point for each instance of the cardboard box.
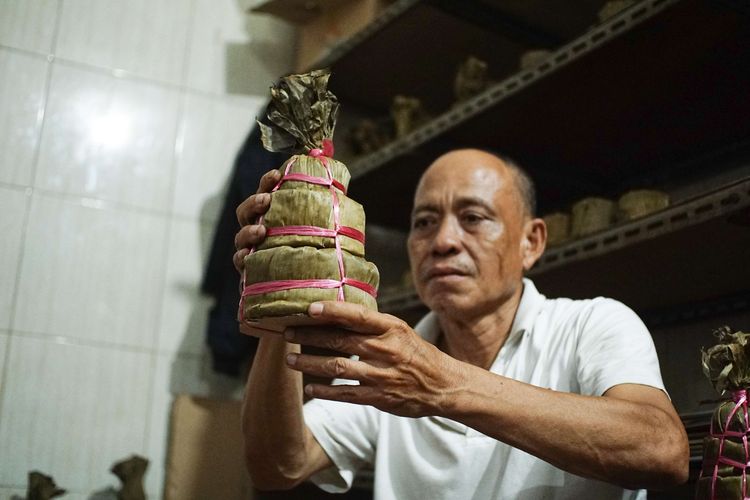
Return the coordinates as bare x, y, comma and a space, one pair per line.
322, 23
205, 457
335, 23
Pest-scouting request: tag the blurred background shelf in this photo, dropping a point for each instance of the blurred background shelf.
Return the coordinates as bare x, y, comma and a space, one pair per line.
656, 92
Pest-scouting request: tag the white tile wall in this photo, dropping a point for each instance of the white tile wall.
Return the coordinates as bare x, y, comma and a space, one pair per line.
22, 103
180, 374
72, 411
110, 182
146, 37
91, 272
212, 132
20, 494
233, 52
13, 493
110, 138
13, 203
28, 24
184, 311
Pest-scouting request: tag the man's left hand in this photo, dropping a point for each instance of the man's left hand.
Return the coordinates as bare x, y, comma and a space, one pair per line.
398, 371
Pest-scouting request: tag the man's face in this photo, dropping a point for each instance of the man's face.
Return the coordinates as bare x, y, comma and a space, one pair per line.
466, 235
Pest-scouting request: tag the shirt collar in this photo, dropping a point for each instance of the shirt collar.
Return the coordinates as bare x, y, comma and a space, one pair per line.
528, 309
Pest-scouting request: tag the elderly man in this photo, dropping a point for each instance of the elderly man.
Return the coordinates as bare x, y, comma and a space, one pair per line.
497, 393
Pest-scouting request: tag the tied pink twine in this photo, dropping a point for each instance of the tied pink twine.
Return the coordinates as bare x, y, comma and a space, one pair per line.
740, 402
338, 230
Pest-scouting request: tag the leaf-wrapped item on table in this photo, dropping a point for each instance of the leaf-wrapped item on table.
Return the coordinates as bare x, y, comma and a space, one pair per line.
314, 246
726, 456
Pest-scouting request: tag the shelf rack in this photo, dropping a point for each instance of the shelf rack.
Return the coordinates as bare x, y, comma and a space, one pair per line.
668, 75
452, 118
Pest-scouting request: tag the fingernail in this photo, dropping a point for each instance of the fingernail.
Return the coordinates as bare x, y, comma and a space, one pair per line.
264, 198
291, 359
309, 390
289, 334
315, 309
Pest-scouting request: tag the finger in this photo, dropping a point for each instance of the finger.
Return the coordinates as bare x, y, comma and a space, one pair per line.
253, 331
239, 259
353, 317
330, 366
269, 181
254, 206
249, 236
333, 339
358, 394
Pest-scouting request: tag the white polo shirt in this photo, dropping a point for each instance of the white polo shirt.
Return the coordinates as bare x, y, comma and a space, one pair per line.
578, 346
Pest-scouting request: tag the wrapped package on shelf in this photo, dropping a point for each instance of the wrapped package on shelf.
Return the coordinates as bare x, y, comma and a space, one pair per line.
314, 245
726, 456
590, 215
641, 202
558, 228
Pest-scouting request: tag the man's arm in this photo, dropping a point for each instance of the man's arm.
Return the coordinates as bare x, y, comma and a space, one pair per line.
631, 436
280, 450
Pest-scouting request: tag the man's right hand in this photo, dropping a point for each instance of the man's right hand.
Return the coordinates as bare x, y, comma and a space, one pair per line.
250, 233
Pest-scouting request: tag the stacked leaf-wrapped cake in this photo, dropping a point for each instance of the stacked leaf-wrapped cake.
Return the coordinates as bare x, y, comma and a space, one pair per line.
726, 451
314, 247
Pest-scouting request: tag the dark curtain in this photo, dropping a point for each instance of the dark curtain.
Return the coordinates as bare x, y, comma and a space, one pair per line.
229, 348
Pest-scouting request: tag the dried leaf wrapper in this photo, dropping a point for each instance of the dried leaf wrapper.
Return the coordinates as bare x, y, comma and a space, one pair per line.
314, 244
301, 115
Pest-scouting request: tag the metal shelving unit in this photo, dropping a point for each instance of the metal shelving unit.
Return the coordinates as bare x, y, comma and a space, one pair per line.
455, 117
668, 75
693, 212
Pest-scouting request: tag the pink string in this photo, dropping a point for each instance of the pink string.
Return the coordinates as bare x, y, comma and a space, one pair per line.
338, 230
315, 180
281, 285
740, 401
315, 231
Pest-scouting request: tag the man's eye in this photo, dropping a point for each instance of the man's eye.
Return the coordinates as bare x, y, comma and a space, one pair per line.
472, 218
420, 222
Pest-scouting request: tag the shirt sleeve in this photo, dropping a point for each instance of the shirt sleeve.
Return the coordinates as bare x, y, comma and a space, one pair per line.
614, 347
348, 434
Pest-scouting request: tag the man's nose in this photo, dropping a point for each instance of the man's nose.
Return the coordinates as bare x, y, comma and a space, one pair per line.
447, 238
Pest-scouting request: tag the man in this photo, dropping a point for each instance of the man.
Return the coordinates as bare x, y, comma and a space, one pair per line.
507, 394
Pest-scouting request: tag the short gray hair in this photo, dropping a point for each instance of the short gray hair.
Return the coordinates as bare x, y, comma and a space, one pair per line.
524, 184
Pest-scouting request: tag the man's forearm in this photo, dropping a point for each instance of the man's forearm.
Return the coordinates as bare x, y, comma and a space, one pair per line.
623, 442
277, 442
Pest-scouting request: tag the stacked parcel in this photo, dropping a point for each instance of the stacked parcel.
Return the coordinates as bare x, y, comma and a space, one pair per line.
314, 246
726, 454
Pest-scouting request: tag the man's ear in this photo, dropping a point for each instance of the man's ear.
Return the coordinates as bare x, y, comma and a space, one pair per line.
534, 242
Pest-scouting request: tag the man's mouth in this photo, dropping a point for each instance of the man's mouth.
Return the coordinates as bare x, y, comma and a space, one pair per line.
445, 272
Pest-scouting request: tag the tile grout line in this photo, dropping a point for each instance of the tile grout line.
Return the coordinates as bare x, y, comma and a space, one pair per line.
58, 22
110, 205
27, 213
131, 76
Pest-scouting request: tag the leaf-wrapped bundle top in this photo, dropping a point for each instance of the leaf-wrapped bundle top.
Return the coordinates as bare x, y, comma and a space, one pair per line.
301, 115
727, 364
